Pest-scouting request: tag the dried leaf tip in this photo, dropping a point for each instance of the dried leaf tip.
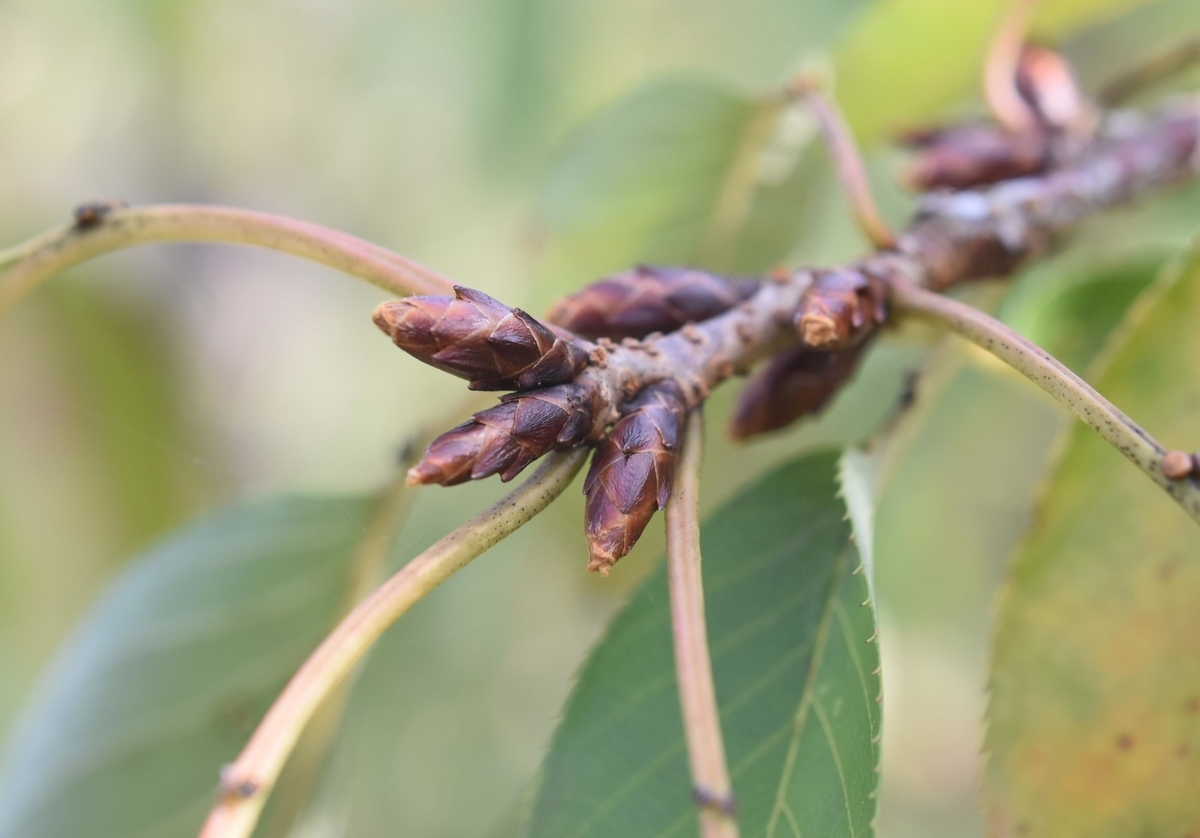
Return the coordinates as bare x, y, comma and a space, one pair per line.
508, 437
475, 337
645, 300
841, 308
631, 472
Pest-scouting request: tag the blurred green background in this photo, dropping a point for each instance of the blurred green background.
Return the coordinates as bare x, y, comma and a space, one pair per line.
150, 386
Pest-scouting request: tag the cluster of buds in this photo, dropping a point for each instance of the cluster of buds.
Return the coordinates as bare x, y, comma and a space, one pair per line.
633, 411
976, 154
553, 407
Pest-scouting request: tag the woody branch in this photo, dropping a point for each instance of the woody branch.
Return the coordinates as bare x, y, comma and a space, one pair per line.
571, 389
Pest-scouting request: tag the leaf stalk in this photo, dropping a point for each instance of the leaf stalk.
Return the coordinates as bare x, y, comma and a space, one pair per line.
246, 783
1040, 367
24, 267
697, 695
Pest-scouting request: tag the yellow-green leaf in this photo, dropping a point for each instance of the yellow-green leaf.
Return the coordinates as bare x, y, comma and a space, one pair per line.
906, 60
1095, 710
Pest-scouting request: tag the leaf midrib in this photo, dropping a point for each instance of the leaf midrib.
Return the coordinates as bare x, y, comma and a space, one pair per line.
807, 696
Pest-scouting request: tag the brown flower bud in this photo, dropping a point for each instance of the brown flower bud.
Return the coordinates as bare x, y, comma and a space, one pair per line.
840, 308
506, 438
482, 340
647, 299
973, 154
631, 473
795, 382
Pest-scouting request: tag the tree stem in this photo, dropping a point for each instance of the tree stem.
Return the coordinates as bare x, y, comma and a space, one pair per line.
1156, 67
246, 783
1046, 372
847, 163
23, 267
697, 696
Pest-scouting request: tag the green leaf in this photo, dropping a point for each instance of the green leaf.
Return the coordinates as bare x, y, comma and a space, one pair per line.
167, 675
1071, 312
1095, 708
796, 672
671, 174
126, 385
906, 61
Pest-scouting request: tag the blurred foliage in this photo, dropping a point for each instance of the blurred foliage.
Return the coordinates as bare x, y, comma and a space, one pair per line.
907, 61
1070, 313
521, 146
796, 679
170, 671
1095, 709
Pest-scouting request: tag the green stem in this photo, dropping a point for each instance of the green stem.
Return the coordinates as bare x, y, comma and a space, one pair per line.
25, 266
247, 782
1045, 371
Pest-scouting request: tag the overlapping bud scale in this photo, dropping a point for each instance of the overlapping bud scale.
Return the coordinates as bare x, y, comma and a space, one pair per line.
647, 299
508, 437
977, 154
795, 382
475, 337
631, 472
969, 155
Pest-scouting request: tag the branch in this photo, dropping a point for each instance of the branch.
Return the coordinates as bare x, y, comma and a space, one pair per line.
1156, 67
630, 398
104, 229
1066, 387
246, 783
697, 697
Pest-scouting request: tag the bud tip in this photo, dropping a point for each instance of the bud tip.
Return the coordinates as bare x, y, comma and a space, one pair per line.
600, 564
819, 330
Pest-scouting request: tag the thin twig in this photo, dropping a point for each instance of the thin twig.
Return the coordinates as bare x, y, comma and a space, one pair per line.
1156, 67
697, 697
847, 162
24, 266
1043, 370
246, 783
1000, 70
364, 569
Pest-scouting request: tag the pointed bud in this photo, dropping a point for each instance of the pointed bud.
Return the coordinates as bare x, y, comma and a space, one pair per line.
647, 299
965, 156
482, 340
795, 382
506, 438
840, 308
631, 473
